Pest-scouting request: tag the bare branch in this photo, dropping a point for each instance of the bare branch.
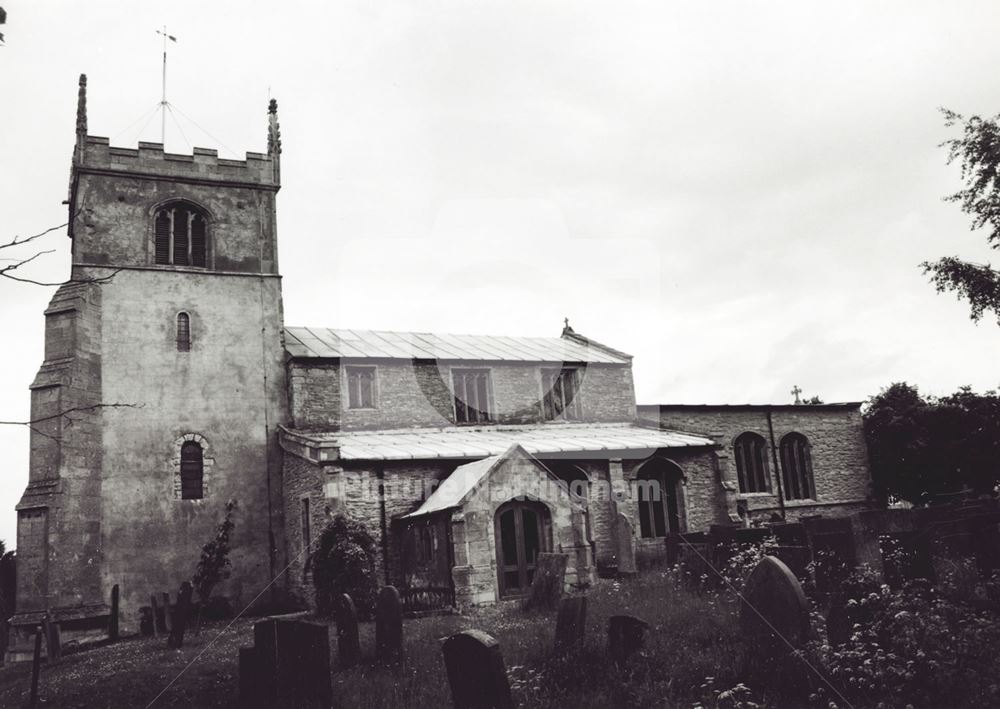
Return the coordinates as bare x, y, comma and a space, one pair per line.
98, 280
67, 413
18, 263
18, 241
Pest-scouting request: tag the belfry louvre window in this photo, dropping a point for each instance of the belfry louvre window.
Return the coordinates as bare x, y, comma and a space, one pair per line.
192, 471
180, 236
361, 387
796, 467
472, 395
559, 398
183, 332
750, 451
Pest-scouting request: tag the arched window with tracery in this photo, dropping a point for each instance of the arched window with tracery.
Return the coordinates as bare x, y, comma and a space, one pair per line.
796, 467
180, 233
750, 452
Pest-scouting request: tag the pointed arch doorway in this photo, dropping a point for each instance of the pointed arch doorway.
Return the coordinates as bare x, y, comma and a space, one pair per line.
522, 530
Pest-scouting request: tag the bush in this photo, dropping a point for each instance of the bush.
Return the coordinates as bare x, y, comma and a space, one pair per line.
344, 562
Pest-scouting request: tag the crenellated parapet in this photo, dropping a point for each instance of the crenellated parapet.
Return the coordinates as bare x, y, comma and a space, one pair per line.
149, 159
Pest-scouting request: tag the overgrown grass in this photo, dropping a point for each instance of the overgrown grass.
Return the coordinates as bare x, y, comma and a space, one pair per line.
693, 637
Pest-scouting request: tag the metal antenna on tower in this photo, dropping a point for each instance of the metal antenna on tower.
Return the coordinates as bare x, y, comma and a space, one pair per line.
163, 99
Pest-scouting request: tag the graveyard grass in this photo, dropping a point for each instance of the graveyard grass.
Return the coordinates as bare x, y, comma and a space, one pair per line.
693, 651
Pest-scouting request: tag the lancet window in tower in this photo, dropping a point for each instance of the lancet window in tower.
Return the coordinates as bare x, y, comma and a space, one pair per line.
180, 235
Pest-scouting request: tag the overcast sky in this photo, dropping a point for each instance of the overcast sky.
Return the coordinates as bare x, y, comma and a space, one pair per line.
739, 194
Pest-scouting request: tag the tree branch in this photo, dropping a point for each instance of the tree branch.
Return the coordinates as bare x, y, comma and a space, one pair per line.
67, 413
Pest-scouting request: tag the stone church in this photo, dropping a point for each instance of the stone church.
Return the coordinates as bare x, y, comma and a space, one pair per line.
171, 385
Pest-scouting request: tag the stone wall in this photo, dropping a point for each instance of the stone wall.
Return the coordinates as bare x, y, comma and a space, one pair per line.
837, 448
418, 393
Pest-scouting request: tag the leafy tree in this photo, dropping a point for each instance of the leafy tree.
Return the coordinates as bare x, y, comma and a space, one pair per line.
978, 152
920, 447
213, 566
344, 562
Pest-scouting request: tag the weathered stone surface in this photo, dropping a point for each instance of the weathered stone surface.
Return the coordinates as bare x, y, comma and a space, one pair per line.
548, 581
774, 613
626, 635
250, 676
476, 671
389, 626
571, 622
348, 645
625, 546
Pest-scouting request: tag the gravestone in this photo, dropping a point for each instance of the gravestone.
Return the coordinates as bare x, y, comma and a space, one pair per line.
774, 612
167, 620
625, 546
476, 671
389, 626
348, 645
548, 581
182, 610
626, 635
250, 676
146, 624
113, 621
53, 640
157, 616
310, 680
265, 640
571, 622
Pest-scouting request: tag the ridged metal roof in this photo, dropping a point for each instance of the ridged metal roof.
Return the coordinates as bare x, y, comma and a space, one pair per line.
461, 442
324, 342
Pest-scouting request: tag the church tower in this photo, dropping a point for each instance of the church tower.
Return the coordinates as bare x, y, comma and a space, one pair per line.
162, 384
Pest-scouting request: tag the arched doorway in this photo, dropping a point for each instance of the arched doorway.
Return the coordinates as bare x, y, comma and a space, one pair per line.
523, 530
658, 494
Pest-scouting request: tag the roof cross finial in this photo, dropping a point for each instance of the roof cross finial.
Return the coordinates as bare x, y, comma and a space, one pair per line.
795, 392
566, 328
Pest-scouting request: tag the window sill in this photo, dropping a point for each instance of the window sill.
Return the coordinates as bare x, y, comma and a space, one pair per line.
754, 495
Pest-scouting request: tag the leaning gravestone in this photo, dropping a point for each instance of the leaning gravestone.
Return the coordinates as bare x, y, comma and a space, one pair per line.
547, 583
626, 635
476, 671
113, 619
348, 645
625, 546
774, 614
571, 622
389, 626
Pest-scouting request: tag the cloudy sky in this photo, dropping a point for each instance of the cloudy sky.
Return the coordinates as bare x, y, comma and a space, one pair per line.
739, 194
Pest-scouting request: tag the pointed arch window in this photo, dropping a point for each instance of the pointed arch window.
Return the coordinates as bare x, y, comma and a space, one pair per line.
657, 491
192, 471
750, 451
183, 332
796, 467
180, 234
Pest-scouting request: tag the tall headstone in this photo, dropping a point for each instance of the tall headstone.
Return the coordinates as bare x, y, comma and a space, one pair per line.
571, 622
182, 611
167, 620
36, 667
625, 546
265, 640
147, 622
476, 671
157, 617
389, 626
250, 676
348, 645
774, 614
548, 581
626, 635
113, 622
311, 673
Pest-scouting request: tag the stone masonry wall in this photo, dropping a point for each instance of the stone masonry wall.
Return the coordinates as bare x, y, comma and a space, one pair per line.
837, 446
410, 394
